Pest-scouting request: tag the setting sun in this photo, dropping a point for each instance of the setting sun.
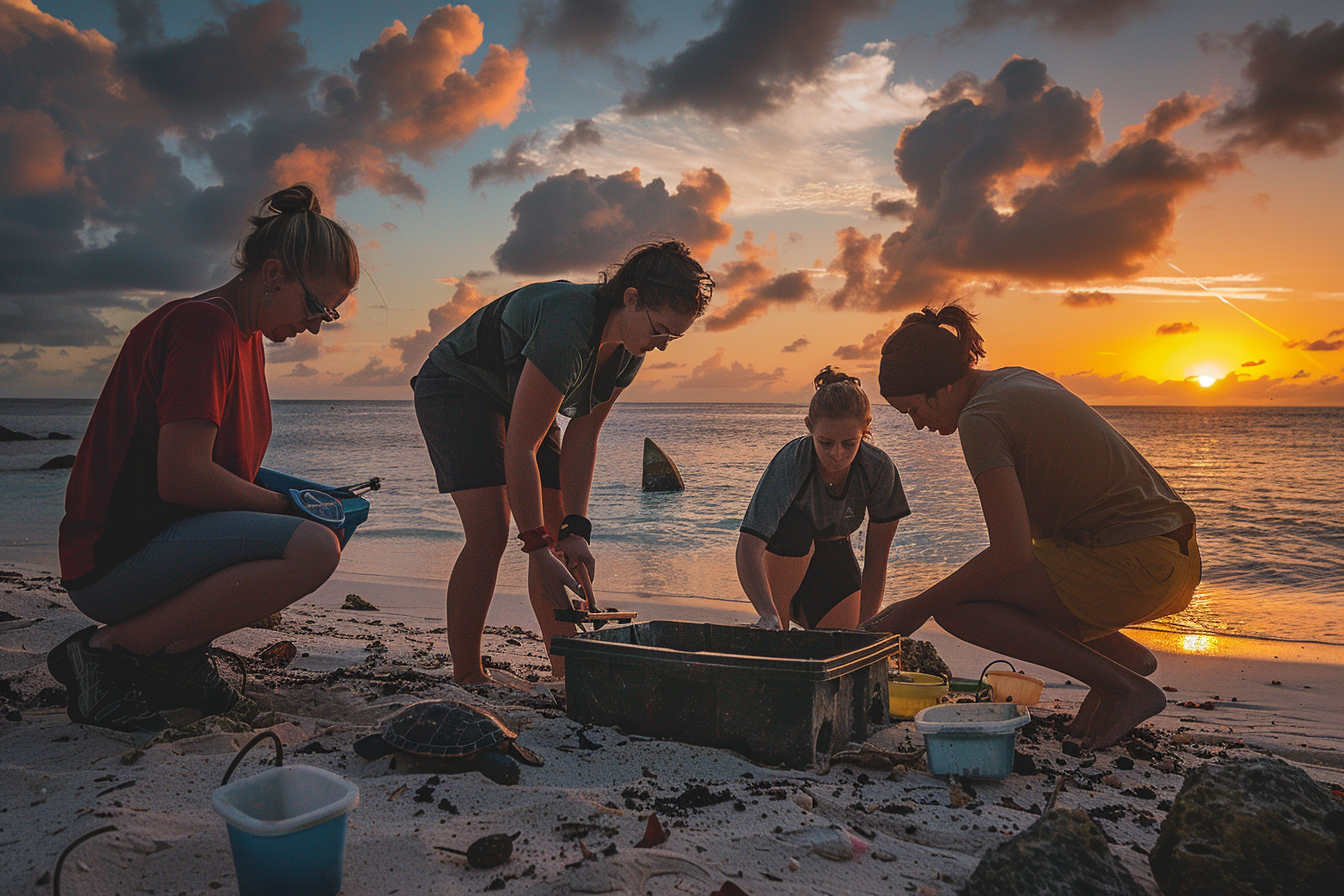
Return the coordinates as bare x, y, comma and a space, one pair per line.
1206, 381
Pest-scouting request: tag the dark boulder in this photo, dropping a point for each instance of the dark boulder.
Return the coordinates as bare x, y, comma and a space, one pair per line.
1258, 827
1064, 853
62, 462
59, 437
660, 471
10, 435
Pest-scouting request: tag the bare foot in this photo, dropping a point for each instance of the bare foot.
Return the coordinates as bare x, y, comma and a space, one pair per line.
1119, 712
1083, 719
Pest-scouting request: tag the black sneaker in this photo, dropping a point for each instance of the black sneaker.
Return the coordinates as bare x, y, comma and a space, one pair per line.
102, 686
190, 680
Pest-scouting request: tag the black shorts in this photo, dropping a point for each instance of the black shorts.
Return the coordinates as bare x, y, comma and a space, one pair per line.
464, 430
832, 575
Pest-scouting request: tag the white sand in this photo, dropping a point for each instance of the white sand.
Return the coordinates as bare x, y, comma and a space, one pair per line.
58, 780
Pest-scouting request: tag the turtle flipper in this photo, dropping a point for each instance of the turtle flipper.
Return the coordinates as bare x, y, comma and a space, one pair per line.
498, 767
372, 747
523, 754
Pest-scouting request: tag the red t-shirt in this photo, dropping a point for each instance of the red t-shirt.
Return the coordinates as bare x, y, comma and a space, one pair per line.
186, 360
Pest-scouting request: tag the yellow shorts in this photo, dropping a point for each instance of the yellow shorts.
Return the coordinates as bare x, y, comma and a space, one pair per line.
1108, 588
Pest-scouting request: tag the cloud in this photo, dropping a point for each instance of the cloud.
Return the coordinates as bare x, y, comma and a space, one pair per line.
1235, 388
1011, 183
589, 27
713, 374
1316, 345
870, 348
584, 133
513, 164
1070, 17
466, 298
303, 347
95, 203
662, 365
753, 288
1253, 363
576, 221
892, 208
762, 52
797, 345
1177, 329
95, 372
1295, 102
1093, 299
302, 371
377, 373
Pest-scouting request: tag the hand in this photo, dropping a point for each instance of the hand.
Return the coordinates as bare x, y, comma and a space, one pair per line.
576, 552
901, 618
555, 578
769, 621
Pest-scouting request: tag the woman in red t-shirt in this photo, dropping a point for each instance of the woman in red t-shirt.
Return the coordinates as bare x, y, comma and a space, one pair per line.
166, 539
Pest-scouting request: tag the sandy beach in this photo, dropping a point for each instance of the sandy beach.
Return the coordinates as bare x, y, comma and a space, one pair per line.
580, 816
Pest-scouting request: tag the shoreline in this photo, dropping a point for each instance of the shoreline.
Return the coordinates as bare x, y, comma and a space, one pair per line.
725, 816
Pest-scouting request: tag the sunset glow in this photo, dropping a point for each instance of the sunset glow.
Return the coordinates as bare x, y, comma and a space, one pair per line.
1169, 239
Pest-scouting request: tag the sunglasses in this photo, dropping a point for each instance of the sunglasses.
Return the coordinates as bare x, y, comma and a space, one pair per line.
315, 307
666, 337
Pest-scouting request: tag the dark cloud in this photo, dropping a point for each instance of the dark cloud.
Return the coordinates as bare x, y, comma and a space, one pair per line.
1072, 17
870, 348
303, 347
1093, 299
303, 371
762, 51
1253, 363
1316, 345
1178, 328
663, 365
1011, 183
1301, 375
752, 288
514, 164
94, 202
797, 345
577, 221
590, 27
584, 133
95, 372
377, 373
1296, 98
892, 208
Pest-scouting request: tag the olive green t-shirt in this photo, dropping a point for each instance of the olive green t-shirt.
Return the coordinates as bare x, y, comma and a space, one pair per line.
1081, 479
558, 327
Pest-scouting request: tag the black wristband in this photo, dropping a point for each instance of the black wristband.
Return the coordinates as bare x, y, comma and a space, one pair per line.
576, 525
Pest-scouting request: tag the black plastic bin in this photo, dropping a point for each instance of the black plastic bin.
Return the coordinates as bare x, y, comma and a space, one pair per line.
779, 698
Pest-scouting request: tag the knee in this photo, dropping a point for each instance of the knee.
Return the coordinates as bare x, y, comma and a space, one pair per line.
315, 549
489, 539
1145, 665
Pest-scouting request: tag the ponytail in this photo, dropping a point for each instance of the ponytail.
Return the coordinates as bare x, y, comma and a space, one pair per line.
930, 350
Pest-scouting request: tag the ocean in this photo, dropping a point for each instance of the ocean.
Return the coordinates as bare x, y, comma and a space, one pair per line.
1264, 483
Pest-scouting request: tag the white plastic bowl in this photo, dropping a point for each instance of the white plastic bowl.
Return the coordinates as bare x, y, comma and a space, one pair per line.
974, 740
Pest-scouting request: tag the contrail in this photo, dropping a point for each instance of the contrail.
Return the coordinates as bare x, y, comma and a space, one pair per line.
1252, 318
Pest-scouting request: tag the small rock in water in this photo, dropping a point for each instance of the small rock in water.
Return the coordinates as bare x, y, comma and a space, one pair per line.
355, 602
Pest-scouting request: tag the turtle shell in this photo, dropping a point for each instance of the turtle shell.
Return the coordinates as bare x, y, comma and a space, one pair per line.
444, 728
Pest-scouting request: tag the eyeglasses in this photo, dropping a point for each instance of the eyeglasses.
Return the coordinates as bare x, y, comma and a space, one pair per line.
666, 337
315, 307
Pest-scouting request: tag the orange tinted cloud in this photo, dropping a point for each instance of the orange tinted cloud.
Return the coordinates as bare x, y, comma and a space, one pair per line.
752, 287
1178, 328
1093, 299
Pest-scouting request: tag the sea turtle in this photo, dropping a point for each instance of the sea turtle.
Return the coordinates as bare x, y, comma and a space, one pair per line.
456, 736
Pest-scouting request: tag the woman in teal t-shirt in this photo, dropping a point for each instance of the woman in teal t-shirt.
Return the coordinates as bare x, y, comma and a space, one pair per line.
487, 400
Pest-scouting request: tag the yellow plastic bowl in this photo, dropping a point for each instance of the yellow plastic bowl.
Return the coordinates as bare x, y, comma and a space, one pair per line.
910, 692
1014, 687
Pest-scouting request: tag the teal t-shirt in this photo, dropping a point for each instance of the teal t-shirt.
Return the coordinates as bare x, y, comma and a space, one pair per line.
558, 327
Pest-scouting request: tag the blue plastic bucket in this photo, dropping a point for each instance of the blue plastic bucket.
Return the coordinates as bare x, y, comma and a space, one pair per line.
974, 740
287, 830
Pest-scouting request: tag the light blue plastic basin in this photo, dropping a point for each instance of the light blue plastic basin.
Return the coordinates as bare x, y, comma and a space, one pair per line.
974, 740
287, 830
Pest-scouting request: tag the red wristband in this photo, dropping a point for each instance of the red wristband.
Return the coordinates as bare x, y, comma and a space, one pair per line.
536, 539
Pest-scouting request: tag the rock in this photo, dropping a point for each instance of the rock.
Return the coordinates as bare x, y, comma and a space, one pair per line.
660, 472
62, 462
1256, 826
920, 656
355, 602
9, 435
1062, 854
59, 437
